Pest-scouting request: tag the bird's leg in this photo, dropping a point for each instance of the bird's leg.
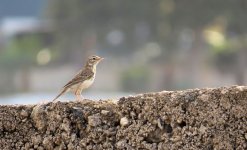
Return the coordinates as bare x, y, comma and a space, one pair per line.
78, 95
78, 98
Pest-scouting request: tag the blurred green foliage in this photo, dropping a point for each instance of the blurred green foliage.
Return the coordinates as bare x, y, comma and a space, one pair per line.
165, 18
21, 51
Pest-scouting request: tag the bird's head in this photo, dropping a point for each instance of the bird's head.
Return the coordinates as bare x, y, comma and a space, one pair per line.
94, 60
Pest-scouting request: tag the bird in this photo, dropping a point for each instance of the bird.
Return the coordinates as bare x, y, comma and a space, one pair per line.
83, 79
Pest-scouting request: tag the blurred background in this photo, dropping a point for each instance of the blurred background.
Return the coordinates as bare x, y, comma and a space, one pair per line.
149, 45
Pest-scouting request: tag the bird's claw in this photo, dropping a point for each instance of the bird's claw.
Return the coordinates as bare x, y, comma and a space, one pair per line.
79, 98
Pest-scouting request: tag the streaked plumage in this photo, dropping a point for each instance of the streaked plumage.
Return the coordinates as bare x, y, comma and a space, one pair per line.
83, 79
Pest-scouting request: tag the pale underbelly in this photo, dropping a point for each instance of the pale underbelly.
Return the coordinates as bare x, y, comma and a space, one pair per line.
82, 86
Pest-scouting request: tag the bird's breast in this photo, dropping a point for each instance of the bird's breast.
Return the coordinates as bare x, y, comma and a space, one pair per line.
87, 83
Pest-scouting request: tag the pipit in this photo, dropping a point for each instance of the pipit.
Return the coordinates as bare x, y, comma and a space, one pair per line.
83, 79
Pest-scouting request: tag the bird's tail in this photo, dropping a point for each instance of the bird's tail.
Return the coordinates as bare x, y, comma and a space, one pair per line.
61, 93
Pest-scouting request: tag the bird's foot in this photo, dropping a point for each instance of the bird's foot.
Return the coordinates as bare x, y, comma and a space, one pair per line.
79, 98
43, 102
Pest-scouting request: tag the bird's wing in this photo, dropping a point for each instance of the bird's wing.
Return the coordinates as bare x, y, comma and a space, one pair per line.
80, 77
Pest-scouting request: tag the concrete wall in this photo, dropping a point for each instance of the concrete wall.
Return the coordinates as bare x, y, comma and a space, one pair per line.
191, 119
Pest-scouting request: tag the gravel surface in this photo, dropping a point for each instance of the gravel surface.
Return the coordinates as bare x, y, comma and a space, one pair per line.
210, 119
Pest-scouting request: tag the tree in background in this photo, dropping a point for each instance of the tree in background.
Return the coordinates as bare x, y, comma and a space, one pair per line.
188, 33
22, 52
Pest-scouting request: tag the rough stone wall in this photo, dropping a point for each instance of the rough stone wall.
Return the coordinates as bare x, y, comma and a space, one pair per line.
209, 119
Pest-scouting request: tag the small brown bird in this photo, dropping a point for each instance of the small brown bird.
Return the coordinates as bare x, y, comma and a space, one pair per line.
83, 79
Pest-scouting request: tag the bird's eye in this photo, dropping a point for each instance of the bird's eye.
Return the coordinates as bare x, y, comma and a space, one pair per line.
94, 58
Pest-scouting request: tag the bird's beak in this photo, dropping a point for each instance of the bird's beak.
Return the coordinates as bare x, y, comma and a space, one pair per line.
101, 58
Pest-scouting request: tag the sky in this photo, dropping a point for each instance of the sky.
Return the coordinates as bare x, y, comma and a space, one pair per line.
21, 8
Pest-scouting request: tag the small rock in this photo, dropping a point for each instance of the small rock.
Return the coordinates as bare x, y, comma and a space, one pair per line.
66, 125
47, 142
94, 120
77, 108
104, 112
73, 137
224, 91
24, 113
202, 129
204, 97
160, 124
36, 139
176, 138
40, 148
70, 146
27, 146
124, 121
132, 114
39, 117
121, 144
